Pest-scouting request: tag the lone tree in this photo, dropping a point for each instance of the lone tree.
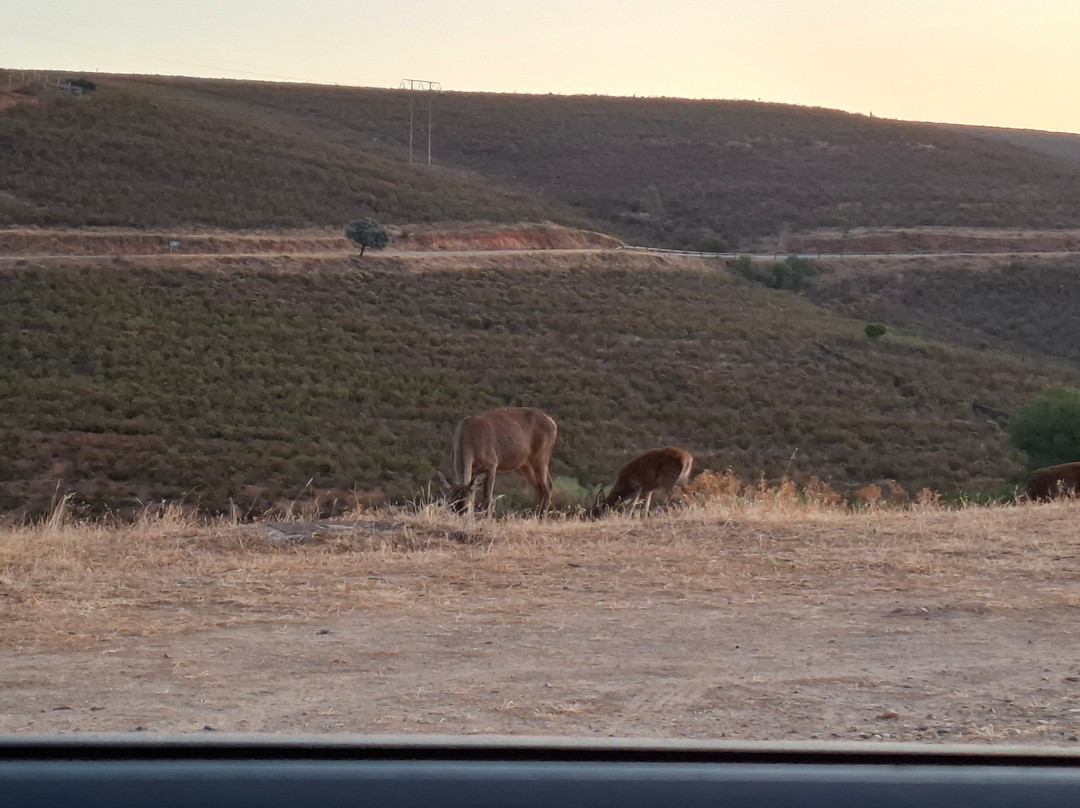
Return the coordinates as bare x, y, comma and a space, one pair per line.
1047, 427
368, 233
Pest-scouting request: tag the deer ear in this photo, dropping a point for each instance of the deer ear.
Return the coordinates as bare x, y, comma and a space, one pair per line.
478, 481
599, 496
445, 483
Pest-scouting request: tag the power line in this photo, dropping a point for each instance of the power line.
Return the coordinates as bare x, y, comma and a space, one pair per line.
419, 85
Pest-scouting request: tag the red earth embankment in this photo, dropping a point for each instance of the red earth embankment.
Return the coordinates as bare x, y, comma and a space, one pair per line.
508, 237
404, 238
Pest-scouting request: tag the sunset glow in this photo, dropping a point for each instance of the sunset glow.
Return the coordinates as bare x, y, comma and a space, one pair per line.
1000, 63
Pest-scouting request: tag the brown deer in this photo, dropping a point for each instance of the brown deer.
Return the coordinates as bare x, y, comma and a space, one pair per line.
1054, 481
656, 470
506, 439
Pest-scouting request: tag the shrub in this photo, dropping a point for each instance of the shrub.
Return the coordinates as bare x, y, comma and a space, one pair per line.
712, 244
875, 330
1047, 428
368, 233
83, 84
791, 273
745, 268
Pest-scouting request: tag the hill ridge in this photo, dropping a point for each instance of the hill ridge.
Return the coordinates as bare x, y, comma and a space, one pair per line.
152, 151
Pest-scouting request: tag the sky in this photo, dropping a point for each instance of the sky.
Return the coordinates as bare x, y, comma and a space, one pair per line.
1013, 63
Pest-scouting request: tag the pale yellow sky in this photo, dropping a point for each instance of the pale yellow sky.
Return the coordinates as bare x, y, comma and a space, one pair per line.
995, 62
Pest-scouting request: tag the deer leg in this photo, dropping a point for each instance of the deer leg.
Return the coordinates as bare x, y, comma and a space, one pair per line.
648, 502
535, 479
489, 492
635, 501
543, 489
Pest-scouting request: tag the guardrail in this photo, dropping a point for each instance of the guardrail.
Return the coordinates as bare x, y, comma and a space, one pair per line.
779, 255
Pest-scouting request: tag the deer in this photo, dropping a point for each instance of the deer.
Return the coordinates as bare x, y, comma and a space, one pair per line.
504, 439
1054, 481
655, 470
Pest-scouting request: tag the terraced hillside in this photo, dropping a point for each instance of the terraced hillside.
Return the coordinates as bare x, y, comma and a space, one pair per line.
251, 380
151, 151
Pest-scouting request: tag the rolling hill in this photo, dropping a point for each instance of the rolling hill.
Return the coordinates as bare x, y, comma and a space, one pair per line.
1063, 145
239, 382
246, 381
1022, 306
157, 151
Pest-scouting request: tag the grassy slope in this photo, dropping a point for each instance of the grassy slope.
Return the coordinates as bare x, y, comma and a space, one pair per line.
242, 379
1063, 145
1028, 307
133, 155
162, 151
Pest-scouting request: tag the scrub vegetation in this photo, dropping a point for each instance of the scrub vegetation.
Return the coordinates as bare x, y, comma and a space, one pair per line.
244, 383
1023, 306
714, 175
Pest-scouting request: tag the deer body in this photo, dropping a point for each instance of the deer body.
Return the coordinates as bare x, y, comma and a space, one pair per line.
656, 470
506, 439
1054, 481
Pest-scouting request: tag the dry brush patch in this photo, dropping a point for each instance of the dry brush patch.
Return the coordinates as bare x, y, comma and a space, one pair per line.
66, 584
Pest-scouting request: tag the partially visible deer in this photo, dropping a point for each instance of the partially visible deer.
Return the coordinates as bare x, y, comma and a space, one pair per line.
1054, 481
656, 470
506, 439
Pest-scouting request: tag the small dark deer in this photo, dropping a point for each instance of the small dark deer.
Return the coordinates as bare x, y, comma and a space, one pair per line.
506, 439
1055, 481
656, 470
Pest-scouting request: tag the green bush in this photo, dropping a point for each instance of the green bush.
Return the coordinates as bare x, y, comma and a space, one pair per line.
712, 244
744, 267
1047, 428
791, 273
875, 330
83, 84
368, 233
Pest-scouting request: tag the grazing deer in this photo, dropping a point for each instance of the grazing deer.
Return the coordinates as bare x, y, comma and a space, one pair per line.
1054, 481
656, 470
505, 439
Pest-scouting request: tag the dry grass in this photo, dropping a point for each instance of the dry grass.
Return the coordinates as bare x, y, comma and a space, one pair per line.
75, 584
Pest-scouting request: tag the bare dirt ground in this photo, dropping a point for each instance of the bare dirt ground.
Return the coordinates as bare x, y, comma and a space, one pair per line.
738, 620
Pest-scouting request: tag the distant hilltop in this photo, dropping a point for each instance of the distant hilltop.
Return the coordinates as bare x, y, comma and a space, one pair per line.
151, 152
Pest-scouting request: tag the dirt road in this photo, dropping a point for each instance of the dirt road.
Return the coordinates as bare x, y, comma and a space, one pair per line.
931, 627
885, 667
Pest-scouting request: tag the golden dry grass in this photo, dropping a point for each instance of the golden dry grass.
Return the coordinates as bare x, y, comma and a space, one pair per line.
69, 584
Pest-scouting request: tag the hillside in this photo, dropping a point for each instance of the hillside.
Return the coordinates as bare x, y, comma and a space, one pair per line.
133, 155
1063, 145
156, 152
1027, 306
251, 380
